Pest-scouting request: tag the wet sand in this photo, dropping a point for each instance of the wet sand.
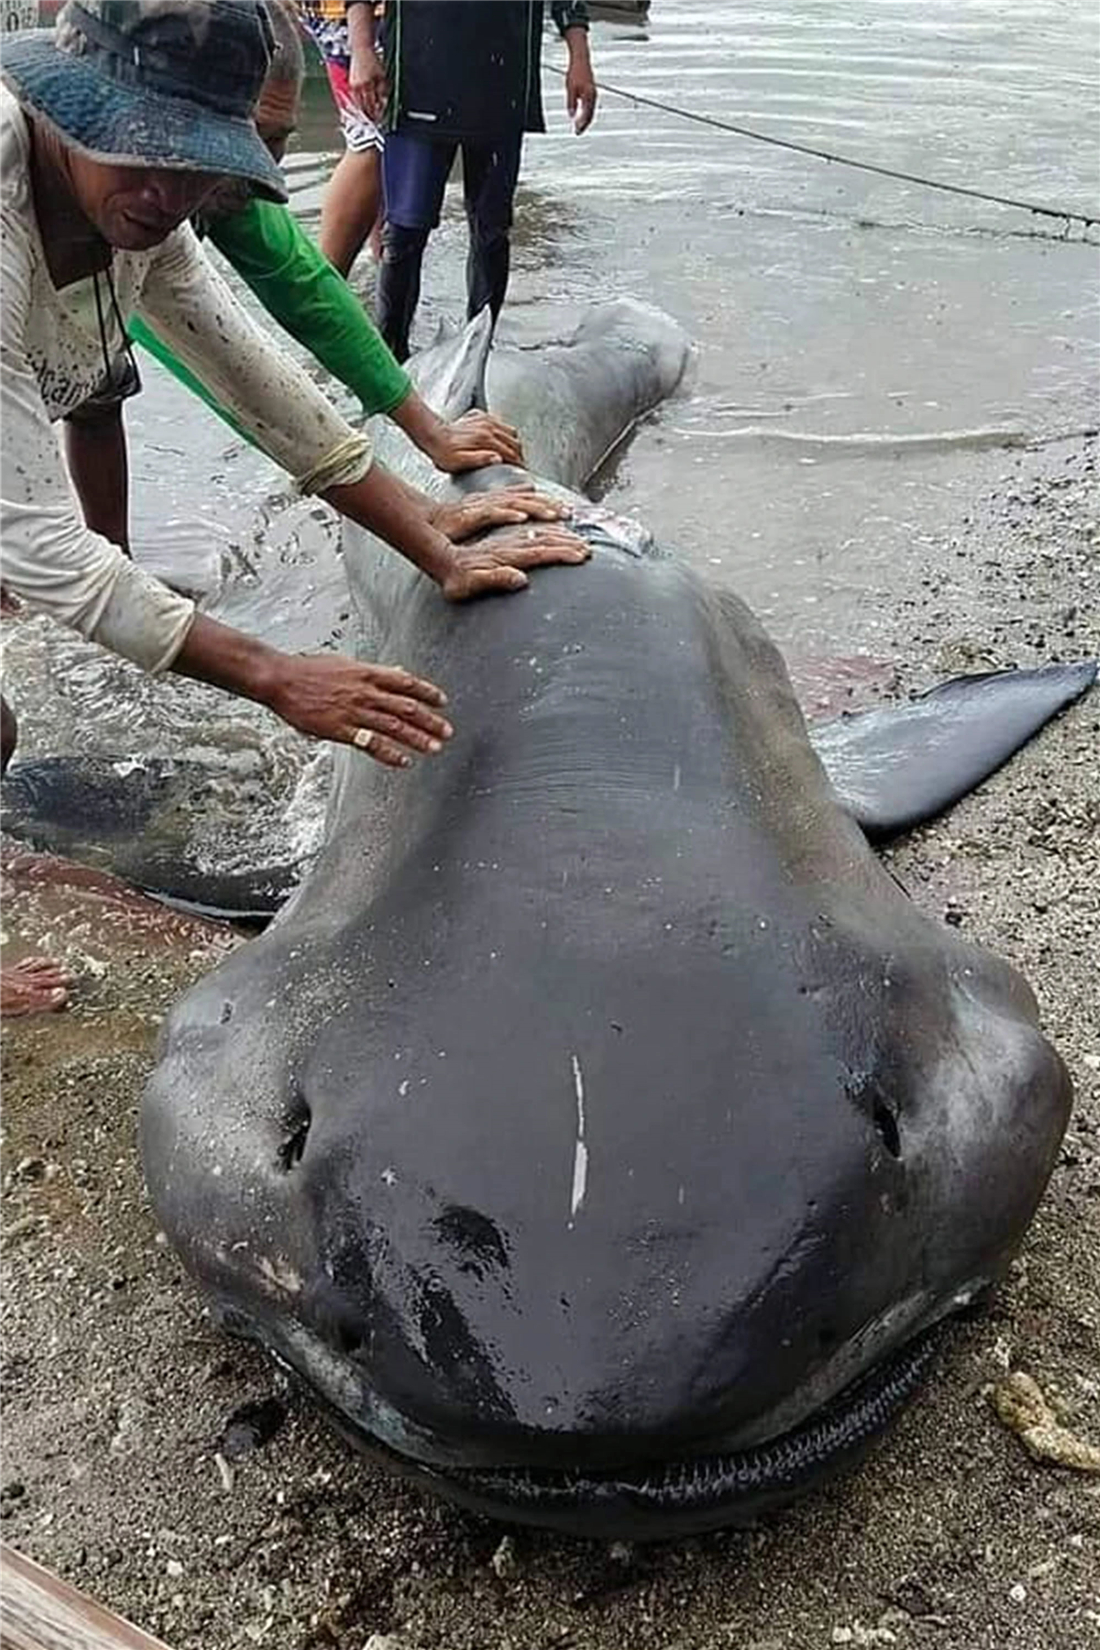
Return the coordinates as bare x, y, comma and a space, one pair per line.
120, 1397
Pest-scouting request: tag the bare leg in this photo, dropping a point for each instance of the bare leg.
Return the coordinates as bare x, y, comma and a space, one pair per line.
351, 208
95, 447
36, 985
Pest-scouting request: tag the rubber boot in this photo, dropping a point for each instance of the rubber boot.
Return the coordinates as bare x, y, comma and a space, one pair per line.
399, 284
487, 265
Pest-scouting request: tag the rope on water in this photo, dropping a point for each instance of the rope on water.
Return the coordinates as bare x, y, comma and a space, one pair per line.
1085, 219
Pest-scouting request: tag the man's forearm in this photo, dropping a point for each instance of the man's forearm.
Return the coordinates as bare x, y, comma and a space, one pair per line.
580, 83
296, 284
424, 428
360, 15
323, 695
95, 448
225, 658
580, 59
398, 514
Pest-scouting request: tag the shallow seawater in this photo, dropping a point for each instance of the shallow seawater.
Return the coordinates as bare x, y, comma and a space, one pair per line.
869, 351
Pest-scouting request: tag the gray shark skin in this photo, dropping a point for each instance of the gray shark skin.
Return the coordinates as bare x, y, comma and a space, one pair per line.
599, 1130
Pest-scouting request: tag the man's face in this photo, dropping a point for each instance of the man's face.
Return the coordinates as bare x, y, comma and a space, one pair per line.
136, 207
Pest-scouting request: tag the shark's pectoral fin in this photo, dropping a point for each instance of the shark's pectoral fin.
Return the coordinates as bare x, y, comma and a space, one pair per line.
195, 833
893, 768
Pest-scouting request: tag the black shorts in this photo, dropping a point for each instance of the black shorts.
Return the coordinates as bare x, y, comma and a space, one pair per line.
415, 170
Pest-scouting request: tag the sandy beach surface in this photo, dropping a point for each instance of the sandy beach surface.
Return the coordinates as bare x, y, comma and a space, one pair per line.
173, 1474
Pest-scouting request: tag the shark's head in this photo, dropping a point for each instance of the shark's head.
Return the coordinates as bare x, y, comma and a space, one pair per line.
558, 1251
600, 1116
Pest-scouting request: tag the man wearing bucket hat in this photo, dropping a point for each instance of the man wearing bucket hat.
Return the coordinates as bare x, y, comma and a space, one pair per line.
112, 133
299, 288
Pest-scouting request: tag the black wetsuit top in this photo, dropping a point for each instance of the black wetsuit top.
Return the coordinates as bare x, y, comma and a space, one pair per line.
468, 68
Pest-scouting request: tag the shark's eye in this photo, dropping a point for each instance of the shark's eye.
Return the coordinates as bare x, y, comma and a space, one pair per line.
293, 1144
887, 1125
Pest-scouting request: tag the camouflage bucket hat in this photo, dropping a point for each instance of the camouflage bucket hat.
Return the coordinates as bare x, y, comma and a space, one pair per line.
165, 83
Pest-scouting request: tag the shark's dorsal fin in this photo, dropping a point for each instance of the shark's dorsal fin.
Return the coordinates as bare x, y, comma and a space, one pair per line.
450, 375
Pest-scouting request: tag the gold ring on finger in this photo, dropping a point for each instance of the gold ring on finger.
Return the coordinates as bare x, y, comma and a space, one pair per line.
363, 738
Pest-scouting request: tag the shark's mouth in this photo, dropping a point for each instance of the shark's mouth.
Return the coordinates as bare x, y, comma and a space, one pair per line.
683, 1497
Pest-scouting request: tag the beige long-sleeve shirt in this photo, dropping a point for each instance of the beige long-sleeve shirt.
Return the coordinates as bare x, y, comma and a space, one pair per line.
52, 360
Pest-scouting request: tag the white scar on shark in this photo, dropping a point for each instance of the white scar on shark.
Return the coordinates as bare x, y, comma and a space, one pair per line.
580, 1154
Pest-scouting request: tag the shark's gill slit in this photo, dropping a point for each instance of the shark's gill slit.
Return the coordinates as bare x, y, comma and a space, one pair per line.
887, 1125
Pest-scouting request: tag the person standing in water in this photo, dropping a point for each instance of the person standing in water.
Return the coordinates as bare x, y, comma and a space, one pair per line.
456, 74
351, 207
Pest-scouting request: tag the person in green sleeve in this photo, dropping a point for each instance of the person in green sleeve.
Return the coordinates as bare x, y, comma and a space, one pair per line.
300, 289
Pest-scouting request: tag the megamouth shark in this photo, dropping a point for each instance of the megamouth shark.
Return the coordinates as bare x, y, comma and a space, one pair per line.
600, 1130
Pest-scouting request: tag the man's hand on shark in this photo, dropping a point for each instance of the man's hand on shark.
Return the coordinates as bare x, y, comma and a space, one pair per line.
462, 518
501, 563
473, 441
383, 711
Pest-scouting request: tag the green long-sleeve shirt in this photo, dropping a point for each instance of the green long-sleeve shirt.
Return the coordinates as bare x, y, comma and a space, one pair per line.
296, 284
